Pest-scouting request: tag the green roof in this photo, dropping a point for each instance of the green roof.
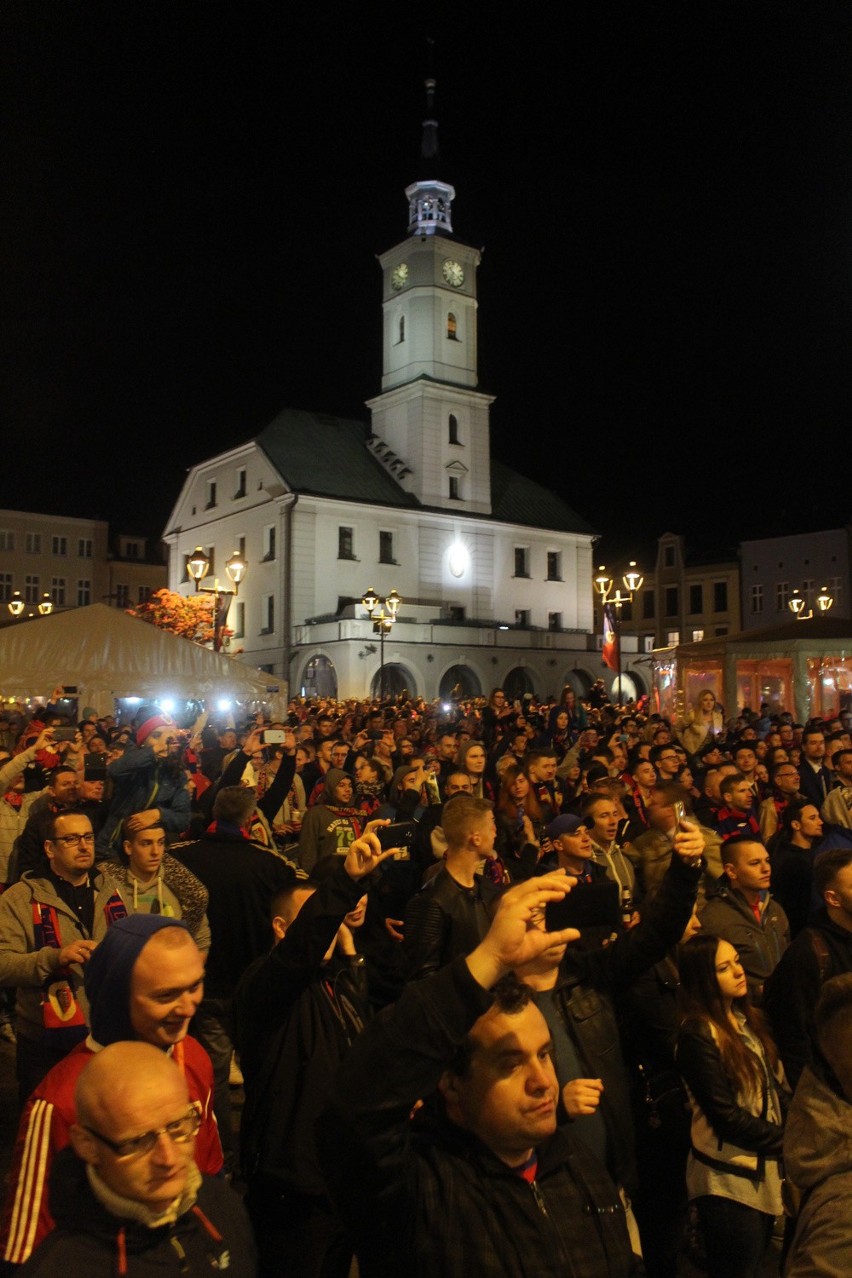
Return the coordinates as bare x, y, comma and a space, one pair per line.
328, 457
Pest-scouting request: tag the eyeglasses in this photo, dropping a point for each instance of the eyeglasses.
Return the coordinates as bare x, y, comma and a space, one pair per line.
74, 840
180, 1131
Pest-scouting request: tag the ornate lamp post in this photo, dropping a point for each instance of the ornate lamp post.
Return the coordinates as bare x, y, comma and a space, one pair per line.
796, 604
382, 613
16, 604
46, 606
198, 566
632, 581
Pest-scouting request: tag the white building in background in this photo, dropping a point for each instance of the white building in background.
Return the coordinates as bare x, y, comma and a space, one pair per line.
494, 570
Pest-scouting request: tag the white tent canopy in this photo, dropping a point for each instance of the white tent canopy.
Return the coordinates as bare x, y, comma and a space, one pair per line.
108, 654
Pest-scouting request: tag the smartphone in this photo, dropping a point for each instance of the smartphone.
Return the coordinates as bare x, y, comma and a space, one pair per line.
399, 834
272, 736
679, 811
70, 689
94, 767
64, 734
587, 905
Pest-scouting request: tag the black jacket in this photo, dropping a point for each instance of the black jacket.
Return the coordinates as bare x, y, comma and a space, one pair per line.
760, 945
426, 1197
588, 981
734, 1127
792, 992
295, 1018
242, 879
86, 1237
443, 921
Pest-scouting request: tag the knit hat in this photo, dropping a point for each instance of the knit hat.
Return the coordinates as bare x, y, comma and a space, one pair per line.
107, 974
150, 725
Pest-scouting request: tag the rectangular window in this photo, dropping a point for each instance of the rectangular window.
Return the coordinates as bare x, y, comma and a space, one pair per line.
59, 545
57, 591
32, 586
238, 612
522, 561
84, 547
671, 601
782, 594
455, 488
386, 548
211, 494
697, 636
240, 490
269, 543
647, 605
345, 543
672, 638
669, 557
648, 643
627, 611
720, 596
696, 599
241, 547
522, 616
721, 630
122, 596
5, 586
133, 550
268, 616
7, 539
456, 612
33, 543
84, 592
757, 599
143, 594
554, 621
554, 565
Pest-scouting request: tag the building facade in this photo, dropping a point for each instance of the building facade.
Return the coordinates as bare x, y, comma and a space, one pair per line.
774, 567
494, 570
72, 562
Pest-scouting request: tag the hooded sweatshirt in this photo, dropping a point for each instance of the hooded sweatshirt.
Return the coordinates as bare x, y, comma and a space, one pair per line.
329, 827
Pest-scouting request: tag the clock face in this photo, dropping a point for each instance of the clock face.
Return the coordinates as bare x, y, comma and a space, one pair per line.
453, 273
399, 276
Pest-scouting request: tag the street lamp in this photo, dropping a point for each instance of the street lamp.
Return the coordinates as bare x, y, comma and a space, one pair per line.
796, 604
198, 566
382, 613
632, 581
46, 606
16, 604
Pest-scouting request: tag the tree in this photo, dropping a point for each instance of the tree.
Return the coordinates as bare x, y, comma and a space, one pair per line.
190, 616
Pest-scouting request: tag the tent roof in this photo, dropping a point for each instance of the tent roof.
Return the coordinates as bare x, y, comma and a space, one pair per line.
108, 653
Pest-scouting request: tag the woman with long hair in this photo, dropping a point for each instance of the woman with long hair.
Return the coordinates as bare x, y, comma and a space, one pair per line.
520, 824
737, 1094
703, 722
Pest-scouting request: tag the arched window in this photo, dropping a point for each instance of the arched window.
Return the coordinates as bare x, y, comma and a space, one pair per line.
402, 328
454, 429
452, 333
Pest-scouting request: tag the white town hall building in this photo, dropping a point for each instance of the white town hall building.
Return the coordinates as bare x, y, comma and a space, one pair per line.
494, 571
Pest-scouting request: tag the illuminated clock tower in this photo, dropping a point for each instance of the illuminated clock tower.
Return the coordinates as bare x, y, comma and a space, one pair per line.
430, 423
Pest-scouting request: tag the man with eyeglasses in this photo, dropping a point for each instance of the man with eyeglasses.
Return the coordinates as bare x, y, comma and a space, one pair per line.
784, 779
128, 1187
49, 925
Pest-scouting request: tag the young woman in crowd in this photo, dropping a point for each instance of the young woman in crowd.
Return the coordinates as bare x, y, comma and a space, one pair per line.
737, 1094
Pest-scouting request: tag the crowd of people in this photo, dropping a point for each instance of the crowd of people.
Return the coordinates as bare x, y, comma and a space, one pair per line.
511, 986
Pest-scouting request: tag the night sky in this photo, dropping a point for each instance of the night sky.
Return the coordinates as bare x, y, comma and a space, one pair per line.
192, 196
